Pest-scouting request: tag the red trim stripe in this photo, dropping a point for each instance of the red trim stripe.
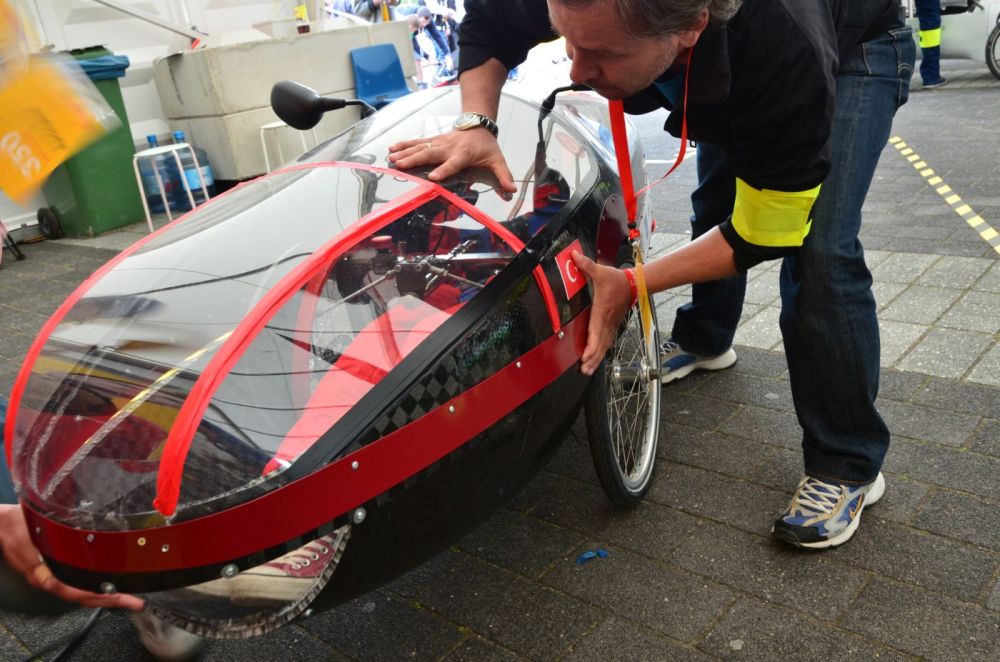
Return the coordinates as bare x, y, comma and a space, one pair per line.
280, 516
175, 450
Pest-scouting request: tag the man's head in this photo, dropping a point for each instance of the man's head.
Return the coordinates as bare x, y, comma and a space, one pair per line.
424, 16
413, 23
620, 47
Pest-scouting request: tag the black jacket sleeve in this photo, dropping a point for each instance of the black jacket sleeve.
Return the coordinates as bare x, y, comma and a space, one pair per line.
502, 29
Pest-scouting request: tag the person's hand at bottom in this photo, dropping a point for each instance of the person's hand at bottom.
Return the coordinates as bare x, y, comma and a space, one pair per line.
22, 556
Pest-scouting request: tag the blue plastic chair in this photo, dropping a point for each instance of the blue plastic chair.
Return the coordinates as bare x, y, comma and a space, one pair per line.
378, 74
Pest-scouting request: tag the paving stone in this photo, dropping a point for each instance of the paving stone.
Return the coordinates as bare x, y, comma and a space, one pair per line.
760, 362
359, 629
722, 453
987, 370
749, 390
902, 267
676, 603
288, 644
706, 413
986, 439
897, 385
615, 639
10, 648
573, 459
520, 615
924, 624
773, 427
918, 422
975, 311
886, 292
36, 632
953, 468
994, 600
960, 516
761, 330
989, 281
946, 353
525, 545
782, 471
915, 557
756, 630
474, 649
748, 311
896, 338
770, 570
961, 397
920, 305
15, 346
762, 289
649, 528
711, 496
955, 272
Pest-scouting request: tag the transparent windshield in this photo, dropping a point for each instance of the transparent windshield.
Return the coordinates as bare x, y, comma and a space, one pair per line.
107, 388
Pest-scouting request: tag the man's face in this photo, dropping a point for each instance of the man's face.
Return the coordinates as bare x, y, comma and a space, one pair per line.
605, 57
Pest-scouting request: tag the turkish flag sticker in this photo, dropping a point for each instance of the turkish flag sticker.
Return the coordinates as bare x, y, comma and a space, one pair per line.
573, 281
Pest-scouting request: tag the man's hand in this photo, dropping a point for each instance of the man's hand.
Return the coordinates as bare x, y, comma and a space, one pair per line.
22, 556
454, 151
612, 295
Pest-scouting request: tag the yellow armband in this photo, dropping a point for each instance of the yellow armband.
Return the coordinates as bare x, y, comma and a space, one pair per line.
772, 218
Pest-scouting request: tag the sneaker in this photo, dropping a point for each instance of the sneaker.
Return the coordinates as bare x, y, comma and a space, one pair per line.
165, 641
677, 363
937, 83
825, 514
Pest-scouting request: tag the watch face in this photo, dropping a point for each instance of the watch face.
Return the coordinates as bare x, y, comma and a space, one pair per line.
467, 121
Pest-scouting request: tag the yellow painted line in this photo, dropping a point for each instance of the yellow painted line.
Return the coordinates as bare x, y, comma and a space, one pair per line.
975, 221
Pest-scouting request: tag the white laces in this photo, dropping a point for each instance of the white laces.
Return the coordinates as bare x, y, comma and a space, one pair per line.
816, 496
668, 346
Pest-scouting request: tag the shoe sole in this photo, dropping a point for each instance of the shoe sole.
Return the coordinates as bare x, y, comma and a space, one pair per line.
720, 362
873, 497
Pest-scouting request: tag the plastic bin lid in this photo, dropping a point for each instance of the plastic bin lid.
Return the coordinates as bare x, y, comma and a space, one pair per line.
105, 67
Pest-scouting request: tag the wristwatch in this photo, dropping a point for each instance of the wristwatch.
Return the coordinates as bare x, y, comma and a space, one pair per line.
468, 121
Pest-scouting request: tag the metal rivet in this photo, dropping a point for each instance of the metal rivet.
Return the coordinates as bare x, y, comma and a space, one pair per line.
230, 571
141, 542
359, 515
561, 335
108, 587
451, 409
518, 364
165, 549
38, 530
355, 465
90, 537
307, 613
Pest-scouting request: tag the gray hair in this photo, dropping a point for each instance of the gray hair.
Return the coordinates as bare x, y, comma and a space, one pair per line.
656, 18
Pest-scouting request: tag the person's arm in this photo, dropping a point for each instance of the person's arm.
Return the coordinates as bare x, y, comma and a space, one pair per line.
22, 557
365, 9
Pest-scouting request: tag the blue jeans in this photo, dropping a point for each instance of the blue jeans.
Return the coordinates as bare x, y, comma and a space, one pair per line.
929, 16
828, 321
6, 484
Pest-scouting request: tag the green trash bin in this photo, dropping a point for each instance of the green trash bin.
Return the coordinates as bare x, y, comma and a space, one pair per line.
95, 191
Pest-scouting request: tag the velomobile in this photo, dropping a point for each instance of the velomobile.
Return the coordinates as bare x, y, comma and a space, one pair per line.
337, 366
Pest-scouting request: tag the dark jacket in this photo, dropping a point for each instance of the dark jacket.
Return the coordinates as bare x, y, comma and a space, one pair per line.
762, 86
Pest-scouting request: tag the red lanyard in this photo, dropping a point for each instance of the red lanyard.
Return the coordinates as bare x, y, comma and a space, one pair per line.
620, 138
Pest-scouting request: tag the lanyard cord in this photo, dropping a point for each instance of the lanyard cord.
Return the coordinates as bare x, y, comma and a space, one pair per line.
620, 138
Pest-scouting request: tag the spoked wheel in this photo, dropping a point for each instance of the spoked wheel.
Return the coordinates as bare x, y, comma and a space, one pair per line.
623, 411
993, 50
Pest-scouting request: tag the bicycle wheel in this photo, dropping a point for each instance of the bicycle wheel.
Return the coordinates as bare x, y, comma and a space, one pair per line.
622, 407
993, 50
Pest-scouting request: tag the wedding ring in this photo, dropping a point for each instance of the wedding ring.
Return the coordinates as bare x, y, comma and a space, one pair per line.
428, 145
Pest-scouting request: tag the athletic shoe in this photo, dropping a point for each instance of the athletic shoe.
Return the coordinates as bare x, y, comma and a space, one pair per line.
677, 363
825, 514
164, 641
287, 579
935, 84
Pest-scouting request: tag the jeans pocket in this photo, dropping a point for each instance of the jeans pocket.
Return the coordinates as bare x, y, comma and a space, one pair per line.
906, 53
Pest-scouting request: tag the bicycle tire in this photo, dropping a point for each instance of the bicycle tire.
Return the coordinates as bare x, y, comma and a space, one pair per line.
624, 449
993, 50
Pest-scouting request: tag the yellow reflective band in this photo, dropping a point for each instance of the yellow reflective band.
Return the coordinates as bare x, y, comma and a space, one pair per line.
772, 218
930, 38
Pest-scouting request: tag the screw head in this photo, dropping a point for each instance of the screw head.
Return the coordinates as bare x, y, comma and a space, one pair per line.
307, 613
108, 588
562, 335
518, 364
451, 409
359, 515
141, 542
165, 548
90, 537
230, 571
355, 465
